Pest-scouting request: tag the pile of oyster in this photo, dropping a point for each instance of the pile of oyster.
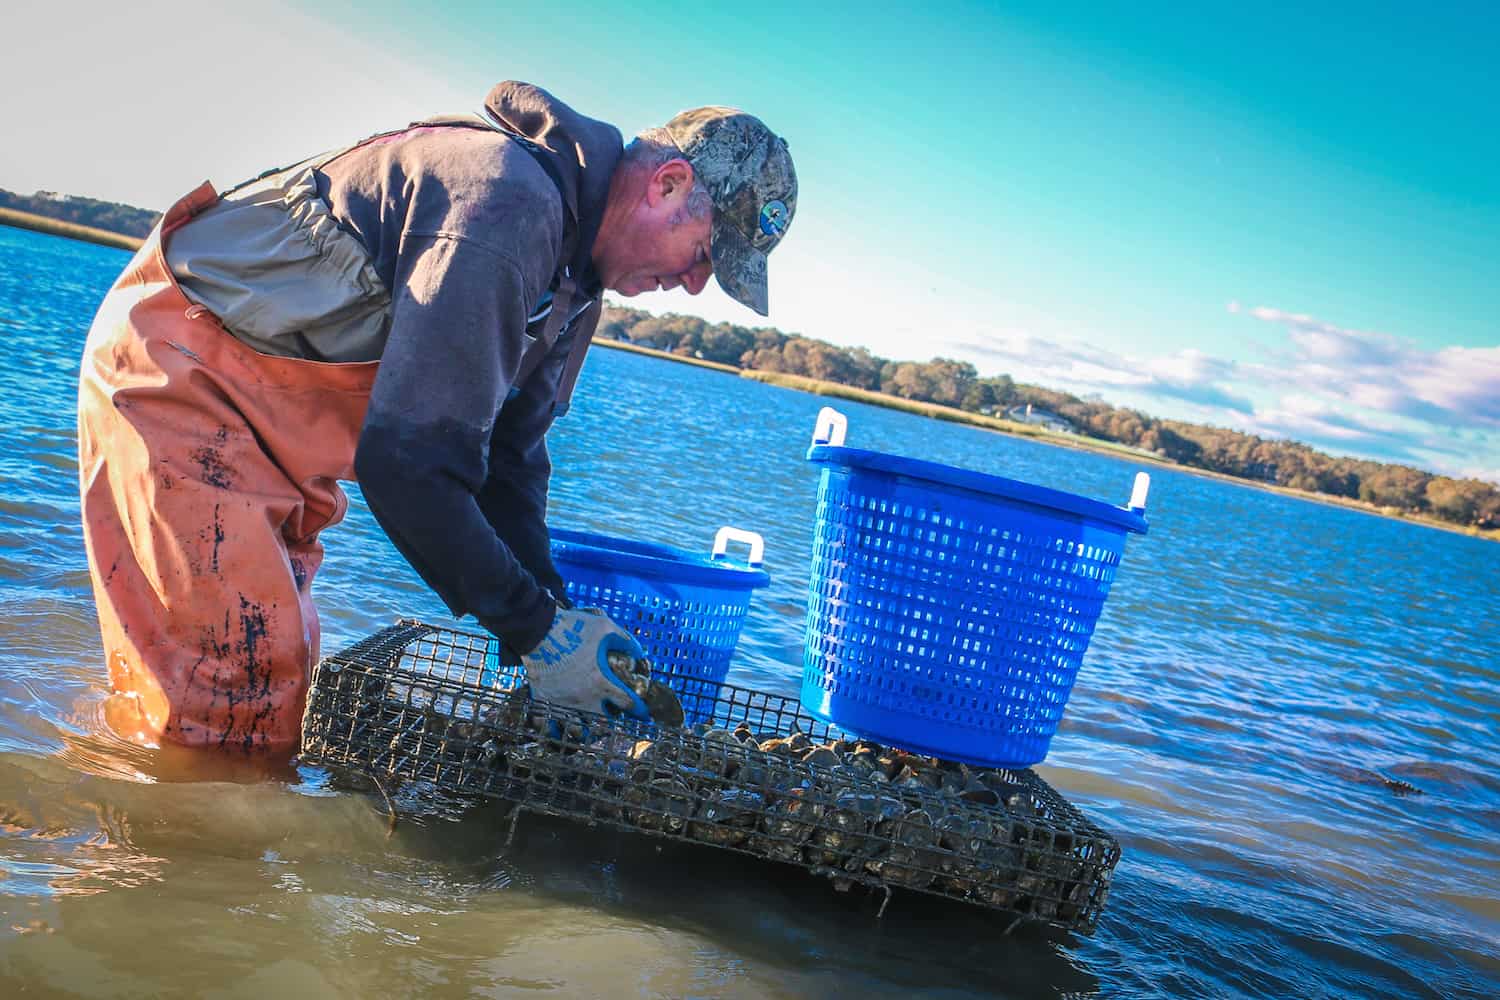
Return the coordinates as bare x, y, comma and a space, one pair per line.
853, 810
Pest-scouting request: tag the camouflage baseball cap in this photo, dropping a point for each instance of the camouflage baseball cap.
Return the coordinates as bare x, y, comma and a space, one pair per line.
747, 170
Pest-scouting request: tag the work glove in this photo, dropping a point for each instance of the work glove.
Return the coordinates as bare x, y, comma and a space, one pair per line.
571, 665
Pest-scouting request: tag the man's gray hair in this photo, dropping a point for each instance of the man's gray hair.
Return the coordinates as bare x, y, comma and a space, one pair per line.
651, 149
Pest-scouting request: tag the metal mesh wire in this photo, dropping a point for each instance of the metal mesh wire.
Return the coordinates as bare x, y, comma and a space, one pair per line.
418, 702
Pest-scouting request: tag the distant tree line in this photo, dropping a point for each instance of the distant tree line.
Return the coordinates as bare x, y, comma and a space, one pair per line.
108, 215
1467, 502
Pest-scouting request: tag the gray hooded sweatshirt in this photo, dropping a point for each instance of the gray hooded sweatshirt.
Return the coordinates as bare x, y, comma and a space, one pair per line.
434, 249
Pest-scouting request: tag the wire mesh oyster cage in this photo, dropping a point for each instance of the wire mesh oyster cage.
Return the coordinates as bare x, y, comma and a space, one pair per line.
417, 702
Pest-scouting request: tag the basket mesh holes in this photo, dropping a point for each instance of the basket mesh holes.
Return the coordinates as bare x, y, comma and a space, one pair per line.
973, 592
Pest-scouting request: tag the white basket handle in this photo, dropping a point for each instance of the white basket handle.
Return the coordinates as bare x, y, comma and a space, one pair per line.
1139, 491
831, 428
727, 534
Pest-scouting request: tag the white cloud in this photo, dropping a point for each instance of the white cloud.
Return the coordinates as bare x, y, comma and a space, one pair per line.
1348, 392
1188, 376
1306, 418
1378, 396
1324, 343
1459, 386
1464, 381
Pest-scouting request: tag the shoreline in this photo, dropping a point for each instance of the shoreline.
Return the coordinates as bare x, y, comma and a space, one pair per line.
17, 219
88, 234
1077, 442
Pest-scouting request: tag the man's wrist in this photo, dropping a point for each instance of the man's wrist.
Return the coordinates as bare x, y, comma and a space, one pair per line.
524, 633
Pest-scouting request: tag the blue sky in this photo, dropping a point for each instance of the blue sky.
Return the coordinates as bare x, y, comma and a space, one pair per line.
1282, 219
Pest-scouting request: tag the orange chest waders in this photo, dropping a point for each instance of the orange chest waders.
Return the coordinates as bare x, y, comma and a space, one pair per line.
207, 471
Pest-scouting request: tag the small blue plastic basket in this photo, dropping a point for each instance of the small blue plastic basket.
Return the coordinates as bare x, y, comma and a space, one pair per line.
948, 610
687, 610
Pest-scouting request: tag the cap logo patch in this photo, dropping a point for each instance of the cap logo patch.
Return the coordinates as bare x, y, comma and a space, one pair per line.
773, 217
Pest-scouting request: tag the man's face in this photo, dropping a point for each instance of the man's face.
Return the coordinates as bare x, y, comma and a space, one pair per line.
660, 246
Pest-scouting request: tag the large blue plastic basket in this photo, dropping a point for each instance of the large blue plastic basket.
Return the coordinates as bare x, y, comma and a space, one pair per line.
686, 609
948, 610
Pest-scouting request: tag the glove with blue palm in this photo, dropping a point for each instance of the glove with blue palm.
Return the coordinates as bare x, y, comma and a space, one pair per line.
571, 666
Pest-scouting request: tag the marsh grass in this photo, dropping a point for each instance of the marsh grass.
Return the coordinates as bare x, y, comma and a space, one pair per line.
67, 230
620, 345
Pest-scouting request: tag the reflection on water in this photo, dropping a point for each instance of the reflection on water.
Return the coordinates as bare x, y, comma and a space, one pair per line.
1288, 716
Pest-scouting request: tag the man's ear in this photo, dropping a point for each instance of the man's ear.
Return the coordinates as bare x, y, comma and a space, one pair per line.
673, 179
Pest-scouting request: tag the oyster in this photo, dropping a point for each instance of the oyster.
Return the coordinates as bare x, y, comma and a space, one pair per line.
635, 673
910, 861
662, 804
664, 705
727, 817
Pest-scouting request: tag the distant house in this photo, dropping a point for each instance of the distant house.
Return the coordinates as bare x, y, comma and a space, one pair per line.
1039, 417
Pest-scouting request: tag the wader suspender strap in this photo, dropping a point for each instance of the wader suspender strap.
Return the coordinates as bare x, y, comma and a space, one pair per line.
565, 383
562, 305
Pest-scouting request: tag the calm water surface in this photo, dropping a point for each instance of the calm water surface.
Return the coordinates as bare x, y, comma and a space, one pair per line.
1264, 670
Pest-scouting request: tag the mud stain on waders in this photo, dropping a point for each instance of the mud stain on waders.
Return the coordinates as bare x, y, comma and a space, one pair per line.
211, 466
218, 531
251, 690
254, 631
